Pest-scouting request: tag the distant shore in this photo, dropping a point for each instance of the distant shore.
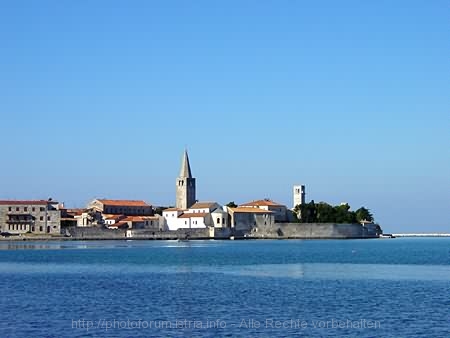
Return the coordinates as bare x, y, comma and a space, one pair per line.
423, 235
162, 238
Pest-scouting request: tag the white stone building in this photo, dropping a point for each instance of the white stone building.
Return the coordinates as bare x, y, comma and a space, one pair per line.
199, 215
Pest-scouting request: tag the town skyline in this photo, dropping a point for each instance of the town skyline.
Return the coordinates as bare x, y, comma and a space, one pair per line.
187, 172
99, 99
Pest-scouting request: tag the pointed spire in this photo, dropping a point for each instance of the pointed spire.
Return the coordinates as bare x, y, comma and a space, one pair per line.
185, 166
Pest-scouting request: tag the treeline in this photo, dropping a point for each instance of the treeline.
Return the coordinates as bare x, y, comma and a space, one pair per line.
325, 213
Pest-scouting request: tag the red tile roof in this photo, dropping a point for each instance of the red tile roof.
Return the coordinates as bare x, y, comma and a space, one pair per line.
118, 224
251, 210
113, 217
126, 203
261, 203
134, 219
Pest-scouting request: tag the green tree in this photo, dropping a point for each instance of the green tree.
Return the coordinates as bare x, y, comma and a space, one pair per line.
159, 210
325, 213
364, 214
232, 205
344, 215
308, 212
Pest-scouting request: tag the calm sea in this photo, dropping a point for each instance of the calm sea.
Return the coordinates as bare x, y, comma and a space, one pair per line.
345, 288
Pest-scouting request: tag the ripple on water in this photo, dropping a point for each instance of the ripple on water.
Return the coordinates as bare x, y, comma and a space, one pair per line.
298, 271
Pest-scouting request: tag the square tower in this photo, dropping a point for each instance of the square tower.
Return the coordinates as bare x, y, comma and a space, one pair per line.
185, 185
299, 195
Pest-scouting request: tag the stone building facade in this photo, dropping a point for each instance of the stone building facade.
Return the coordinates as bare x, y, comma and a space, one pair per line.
279, 210
244, 219
37, 217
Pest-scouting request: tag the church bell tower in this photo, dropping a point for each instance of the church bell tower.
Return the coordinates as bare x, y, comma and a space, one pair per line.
185, 185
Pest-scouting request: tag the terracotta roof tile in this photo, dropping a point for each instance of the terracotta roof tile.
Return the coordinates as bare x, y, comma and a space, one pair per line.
118, 224
261, 203
126, 203
250, 210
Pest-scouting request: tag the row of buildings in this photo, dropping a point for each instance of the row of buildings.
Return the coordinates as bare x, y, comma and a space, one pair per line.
48, 217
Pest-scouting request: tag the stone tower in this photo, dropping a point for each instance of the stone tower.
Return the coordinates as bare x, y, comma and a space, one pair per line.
185, 185
299, 195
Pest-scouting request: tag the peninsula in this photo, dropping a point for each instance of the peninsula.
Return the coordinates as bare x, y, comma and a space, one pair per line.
188, 219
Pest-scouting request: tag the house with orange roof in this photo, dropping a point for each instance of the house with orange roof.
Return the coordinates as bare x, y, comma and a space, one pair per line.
137, 222
109, 219
279, 211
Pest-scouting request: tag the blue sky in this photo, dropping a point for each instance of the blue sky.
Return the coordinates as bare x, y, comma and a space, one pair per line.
99, 99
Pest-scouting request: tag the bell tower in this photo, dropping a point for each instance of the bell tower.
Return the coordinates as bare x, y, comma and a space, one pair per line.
299, 195
185, 185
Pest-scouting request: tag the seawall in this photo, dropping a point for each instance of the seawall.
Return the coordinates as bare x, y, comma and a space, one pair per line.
275, 231
313, 231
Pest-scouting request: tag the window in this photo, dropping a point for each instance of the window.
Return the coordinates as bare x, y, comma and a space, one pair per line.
41, 209
9, 209
218, 220
17, 208
41, 218
25, 209
40, 228
48, 218
33, 209
223, 220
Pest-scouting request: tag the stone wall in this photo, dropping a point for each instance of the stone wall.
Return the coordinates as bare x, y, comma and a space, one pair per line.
312, 231
276, 230
94, 233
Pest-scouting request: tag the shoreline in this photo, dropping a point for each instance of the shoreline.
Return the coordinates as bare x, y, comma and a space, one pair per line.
169, 238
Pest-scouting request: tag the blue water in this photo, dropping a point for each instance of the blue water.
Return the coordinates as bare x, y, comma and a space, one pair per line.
345, 288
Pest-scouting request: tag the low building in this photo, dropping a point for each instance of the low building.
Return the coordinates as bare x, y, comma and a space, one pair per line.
171, 220
280, 211
203, 207
199, 215
112, 219
244, 219
33, 216
122, 207
135, 222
